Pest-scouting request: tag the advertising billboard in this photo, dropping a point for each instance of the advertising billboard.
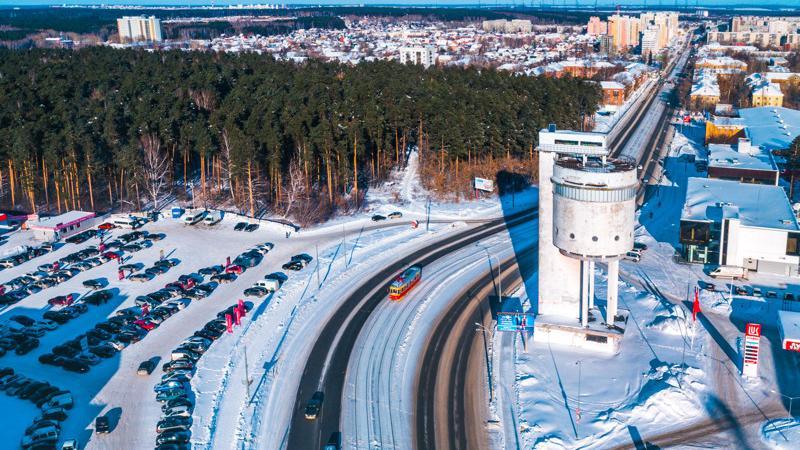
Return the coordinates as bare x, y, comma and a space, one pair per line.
482, 184
509, 321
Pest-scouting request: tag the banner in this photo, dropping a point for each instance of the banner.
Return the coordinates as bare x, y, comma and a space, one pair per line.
509, 321
482, 184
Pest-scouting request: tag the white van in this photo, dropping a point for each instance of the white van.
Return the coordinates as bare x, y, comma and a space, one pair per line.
193, 216
127, 222
270, 284
213, 217
729, 272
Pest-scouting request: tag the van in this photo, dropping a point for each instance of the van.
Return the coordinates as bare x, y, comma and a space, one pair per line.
270, 284
212, 217
729, 272
194, 216
46, 434
127, 222
60, 401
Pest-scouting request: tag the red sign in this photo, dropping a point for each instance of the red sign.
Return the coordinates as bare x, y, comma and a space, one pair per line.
229, 323
793, 346
237, 313
753, 329
241, 306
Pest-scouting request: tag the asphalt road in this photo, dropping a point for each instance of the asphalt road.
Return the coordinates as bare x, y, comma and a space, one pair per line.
328, 360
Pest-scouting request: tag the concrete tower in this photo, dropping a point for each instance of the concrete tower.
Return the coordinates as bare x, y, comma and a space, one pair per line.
587, 205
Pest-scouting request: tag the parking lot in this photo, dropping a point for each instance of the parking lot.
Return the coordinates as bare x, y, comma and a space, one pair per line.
112, 386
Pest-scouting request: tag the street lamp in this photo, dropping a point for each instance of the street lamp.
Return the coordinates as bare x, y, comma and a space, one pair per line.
482, 329
499, 285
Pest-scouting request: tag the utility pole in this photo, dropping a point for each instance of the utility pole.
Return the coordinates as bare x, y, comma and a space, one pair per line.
482, 329
246, 373
316, 246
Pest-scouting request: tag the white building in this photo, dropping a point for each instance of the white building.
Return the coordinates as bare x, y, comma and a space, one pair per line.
650, 43
139, 29
424, 56
746, 225
61, 226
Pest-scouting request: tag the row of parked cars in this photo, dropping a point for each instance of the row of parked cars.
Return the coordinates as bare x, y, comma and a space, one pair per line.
43, 433
174, 390
25, 256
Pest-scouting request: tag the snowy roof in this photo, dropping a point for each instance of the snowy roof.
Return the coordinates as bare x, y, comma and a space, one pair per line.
771, 127
611, 85
790, 325
768, 90
725, 156
60, 221
754, 205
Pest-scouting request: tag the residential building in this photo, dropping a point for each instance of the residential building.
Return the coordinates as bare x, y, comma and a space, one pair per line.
613, 94
596, 27
650, 42
507, 26
767, 94
624, 31
424, 56
139, 29
705, 91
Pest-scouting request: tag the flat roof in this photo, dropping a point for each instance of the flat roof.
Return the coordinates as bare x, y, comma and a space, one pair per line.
754, 205
53, 222
725, 156
771, 127
790, 324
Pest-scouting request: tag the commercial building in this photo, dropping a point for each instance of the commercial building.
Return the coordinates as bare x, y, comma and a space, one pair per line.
740, 224
139, 29
744, 163
424, 56
61, 226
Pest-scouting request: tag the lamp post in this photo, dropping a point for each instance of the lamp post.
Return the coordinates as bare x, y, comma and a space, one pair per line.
482, 329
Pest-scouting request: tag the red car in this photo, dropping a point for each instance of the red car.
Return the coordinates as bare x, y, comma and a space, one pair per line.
61, 300
188, 284
106, 226
110, 255
145, 324
234, 269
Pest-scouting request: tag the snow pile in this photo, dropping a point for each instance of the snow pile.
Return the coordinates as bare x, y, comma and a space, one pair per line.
671, 320
781, 433
672, 393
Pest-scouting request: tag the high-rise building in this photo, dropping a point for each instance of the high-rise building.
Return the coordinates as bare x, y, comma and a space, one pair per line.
596, 27
424, 56
650, 41
139, 29
624, 31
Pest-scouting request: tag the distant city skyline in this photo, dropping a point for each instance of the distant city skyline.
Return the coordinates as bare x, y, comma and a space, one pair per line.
586, 4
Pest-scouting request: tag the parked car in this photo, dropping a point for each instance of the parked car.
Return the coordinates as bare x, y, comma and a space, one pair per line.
251, 227
633, 256
23, 320
293, 265
26, 346
61, 300
211, 270
395, 215
240, 226
76, 365
378, 217
224, 278
102, 425
106, 226
173, 437
173, 424
146, 367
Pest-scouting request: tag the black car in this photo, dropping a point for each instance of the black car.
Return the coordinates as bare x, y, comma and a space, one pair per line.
240, 226
74, 365
103, 351
173, 437
26, 346
306, 258
24, 320
314, 405
212, 270
51, 359
167, 262
146, 367
57, 316
293, 265
180, 401
102, 425
378, 217
255, 291
208, 334
251, 227
156, 270
58, 414
66, 350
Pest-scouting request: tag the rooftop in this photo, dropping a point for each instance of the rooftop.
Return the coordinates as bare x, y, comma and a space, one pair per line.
771, 128
725, 156
53, 222
790, 324
755, 205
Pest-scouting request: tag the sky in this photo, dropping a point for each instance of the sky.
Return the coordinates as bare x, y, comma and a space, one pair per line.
751, 3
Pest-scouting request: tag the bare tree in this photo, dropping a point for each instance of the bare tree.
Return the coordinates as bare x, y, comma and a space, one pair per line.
155, 166
295, 190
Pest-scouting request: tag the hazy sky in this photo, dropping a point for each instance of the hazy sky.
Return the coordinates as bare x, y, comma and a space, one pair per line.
753, 3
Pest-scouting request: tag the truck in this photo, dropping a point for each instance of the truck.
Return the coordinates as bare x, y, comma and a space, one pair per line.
213, 217
729, 272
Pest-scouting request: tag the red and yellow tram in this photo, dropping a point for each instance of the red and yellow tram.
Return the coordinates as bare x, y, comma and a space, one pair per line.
404, 282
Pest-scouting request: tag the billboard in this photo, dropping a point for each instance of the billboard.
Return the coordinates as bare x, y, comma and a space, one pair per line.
482, 184
751, 345
511, 321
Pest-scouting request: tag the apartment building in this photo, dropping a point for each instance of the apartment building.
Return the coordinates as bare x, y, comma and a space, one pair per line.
139, 29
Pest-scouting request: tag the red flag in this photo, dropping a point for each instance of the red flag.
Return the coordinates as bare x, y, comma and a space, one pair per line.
696, 305
120, 274
227, 261
145, 310
237, 315
241, 306
229, 323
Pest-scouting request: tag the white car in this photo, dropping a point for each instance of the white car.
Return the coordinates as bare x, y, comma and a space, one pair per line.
181, 303
178, 411
633, 256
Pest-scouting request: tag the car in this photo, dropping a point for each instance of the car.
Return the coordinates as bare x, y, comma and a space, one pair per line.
378, 217
34, 331
59, 414
771, 294
639, 246
181, 376
305, 258
61, 300
179, 364
102, 425
251, 227
103, 351
395, 215
97, 283
106, 226
178, 411
224, 278
211, 270
208, 334
142, 276
740, 290
233, 268
156, 270
240, 226
23, 320
58, 317
26, 346
788, 296
293, 265
164, 396
633, 256
41, 424
256, 291
170, 385
177, 402
167, 262
98, 297
131, 248
156, 236
711, 287
757, 292
70, 444
173, 424
173, 437
108, 256
88, 358
79, 308
185, 353
51, 359
76, 365
314, 405
146, 324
